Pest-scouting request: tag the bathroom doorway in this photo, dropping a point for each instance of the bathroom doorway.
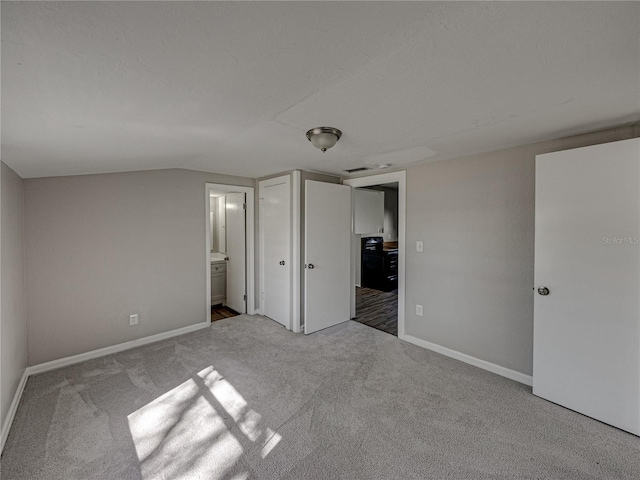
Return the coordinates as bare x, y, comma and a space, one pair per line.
229, 251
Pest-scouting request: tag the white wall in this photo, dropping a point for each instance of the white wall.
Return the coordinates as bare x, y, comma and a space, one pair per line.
100, 247
475, 276
13, 325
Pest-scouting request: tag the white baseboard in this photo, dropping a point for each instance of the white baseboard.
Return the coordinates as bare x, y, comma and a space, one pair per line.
63, 362
101, 352
6, 426
476, 362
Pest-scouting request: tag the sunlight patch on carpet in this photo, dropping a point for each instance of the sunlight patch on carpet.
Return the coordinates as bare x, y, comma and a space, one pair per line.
207, 414
232, 402
272, 439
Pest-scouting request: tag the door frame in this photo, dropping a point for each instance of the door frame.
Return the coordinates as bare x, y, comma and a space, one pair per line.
369, 181
249, 238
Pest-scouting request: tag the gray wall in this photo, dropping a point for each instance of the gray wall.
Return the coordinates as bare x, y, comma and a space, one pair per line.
101, 247
13, 325
475, 277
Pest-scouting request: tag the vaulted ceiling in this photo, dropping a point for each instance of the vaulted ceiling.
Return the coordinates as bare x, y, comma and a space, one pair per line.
232, 87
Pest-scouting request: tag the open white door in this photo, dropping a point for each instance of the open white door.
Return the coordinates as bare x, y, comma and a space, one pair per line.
587, 279
327, 255
275, 240
236, 252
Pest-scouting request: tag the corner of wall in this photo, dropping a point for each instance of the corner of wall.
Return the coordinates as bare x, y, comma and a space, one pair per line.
13, 340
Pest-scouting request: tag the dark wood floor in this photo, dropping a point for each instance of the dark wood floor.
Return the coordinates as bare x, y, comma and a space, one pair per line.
377, 309
219, 312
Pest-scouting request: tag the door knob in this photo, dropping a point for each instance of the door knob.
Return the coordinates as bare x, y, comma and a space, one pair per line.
311, 266
281, 262
543, 291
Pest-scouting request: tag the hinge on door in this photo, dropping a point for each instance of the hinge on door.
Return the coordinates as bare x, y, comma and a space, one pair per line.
244, 206
245, 298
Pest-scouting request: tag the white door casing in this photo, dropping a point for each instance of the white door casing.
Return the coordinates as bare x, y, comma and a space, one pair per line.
275, 246
587, 329
327, 255
236, 251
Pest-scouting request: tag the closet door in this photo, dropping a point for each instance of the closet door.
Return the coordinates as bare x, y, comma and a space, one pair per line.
275, 247
586, 353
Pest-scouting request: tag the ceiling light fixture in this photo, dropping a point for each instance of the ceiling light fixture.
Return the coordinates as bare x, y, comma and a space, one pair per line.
324, 137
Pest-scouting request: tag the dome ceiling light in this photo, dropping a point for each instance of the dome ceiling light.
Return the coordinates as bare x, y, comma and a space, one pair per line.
324, 137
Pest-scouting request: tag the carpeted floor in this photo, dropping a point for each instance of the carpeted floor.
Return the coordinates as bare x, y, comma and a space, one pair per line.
247, 399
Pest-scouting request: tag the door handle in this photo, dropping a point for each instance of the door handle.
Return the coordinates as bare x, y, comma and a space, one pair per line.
311, 266
281, 262
543, 291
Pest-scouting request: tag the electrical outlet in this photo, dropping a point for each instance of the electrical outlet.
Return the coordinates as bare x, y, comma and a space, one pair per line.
419, 310
133, 319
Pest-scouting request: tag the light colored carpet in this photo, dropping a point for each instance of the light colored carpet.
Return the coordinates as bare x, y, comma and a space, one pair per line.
247, 399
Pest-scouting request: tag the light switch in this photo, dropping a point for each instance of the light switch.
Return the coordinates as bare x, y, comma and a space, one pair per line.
419, 246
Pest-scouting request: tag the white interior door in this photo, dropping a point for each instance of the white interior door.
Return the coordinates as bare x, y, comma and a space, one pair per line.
327, 255
236, 252
587, 328
275, 227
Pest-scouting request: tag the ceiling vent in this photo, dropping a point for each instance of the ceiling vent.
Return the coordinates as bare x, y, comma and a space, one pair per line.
359, 169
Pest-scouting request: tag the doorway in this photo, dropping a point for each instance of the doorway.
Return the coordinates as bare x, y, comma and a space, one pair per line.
229, 219
378, 256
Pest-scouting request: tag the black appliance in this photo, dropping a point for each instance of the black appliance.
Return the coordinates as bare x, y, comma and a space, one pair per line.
379, 265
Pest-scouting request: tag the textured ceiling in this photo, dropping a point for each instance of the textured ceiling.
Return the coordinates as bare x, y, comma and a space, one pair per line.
91, 87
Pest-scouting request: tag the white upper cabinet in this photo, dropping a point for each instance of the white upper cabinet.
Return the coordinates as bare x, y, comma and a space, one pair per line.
369, 211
